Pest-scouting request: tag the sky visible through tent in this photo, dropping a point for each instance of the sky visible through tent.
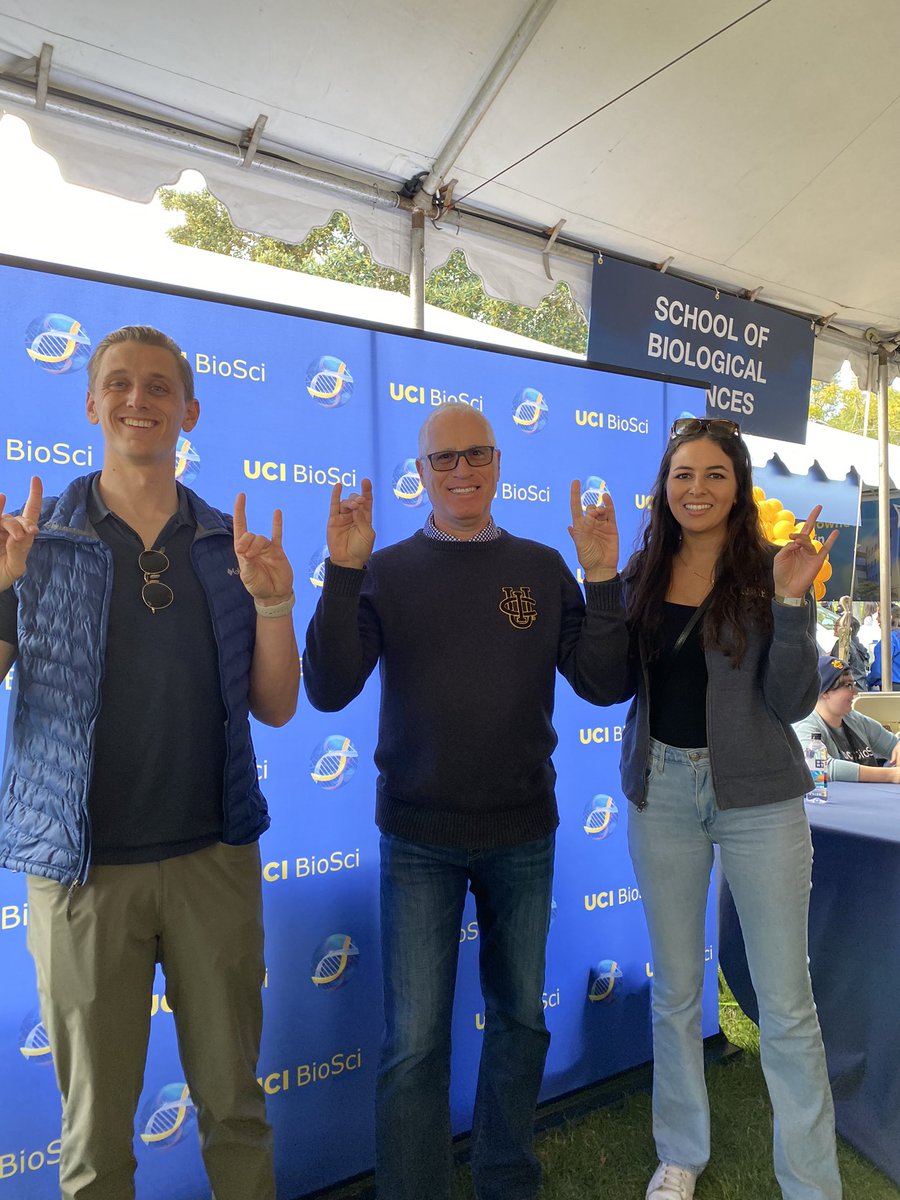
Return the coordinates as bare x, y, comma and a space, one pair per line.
42, 216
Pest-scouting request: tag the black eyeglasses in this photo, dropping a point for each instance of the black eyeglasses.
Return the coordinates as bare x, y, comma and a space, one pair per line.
844, 683
475, 456
686, 426
155, 594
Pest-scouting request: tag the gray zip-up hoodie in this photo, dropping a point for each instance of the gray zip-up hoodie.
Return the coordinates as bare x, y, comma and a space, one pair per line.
755, 756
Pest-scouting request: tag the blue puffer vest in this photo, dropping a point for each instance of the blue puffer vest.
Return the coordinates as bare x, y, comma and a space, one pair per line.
64, 601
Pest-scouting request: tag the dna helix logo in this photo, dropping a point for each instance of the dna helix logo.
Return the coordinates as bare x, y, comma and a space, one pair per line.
334, 962
530, 410
600, 817
329, 382
334, 762
187, 461
317, 567
168, 1117
594, 487
57, 343
407, 486
34, 1044
604, 981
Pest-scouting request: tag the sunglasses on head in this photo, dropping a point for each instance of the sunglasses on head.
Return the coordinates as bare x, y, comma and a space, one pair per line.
688, 426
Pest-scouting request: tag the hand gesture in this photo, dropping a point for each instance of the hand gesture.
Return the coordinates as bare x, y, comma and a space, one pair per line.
595, 535
349, 532
265, 570
797, 564
17, 535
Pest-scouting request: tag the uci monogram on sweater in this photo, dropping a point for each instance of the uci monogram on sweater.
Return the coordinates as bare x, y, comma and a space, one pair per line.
519, 607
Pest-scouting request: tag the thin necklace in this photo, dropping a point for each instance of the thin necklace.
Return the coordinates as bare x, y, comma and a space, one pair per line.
708, 579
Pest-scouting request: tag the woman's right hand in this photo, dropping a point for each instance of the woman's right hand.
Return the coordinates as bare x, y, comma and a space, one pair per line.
349, 533
17, 535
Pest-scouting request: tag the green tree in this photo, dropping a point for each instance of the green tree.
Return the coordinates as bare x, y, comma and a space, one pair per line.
845, 408
334, 252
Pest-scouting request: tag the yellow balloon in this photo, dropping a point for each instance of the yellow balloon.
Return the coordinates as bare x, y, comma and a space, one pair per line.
816, 544
779, 541
825, 574
798, 526
818, 590
772, 507
781, 529
758, 494
786, 515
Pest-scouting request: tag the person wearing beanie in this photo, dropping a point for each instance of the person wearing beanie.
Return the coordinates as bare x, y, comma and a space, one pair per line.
856, 744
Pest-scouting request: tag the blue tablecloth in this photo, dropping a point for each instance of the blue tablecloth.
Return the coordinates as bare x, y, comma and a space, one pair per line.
854, 953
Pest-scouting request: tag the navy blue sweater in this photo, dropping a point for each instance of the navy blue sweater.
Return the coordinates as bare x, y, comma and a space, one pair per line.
469, 636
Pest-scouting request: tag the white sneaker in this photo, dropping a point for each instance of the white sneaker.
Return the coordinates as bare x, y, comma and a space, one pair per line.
671, 1183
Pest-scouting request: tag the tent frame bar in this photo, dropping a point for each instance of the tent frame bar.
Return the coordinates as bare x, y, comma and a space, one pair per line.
503, 67
22, 98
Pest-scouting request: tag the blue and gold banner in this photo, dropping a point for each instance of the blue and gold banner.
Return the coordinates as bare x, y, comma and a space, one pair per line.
755, 361
291, 404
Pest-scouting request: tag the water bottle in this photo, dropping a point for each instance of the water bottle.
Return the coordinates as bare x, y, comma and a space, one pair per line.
817, 762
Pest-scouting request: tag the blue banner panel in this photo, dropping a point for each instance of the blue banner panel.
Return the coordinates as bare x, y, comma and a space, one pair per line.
801, 493
756, 361
290, 405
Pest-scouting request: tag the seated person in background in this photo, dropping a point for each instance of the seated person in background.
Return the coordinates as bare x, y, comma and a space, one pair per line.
874, 678
849, 647
855, 743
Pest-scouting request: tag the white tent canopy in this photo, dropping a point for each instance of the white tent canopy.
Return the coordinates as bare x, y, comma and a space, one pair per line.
833, 451
753, 145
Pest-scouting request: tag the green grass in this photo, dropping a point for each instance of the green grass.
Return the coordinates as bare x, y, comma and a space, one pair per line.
609, 1154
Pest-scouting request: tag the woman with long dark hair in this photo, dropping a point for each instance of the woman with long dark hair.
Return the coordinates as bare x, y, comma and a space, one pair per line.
722, 659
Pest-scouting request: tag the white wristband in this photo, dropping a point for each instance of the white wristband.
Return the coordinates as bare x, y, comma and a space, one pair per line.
791, 601
275, 610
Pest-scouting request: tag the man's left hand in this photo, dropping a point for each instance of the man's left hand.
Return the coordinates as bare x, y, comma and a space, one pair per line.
265, 570
596, 536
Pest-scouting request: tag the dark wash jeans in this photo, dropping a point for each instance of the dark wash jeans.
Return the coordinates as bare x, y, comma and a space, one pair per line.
423, 890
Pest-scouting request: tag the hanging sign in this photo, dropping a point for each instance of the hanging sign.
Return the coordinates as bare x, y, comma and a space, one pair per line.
755, 360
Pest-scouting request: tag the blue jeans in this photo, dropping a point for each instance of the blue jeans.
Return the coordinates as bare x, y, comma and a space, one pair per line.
423, 890
766, 855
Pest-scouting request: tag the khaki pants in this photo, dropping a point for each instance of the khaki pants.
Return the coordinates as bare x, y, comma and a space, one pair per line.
200, 916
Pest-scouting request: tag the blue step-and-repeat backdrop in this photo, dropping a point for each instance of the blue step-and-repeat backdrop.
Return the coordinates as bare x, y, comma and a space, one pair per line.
291, 404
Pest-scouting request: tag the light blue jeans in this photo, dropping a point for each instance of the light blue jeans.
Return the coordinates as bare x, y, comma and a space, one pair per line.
766, 855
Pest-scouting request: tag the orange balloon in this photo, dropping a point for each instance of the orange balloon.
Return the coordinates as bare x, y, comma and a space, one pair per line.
825, 574
818, 590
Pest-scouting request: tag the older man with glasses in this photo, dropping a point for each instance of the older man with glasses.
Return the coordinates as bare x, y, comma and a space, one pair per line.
856, 744
470, 625
145, 626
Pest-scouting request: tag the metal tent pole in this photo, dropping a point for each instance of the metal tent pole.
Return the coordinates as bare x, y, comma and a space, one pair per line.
884, 524
417, 268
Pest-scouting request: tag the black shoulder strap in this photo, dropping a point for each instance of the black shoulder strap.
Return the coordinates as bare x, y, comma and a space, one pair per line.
692, 621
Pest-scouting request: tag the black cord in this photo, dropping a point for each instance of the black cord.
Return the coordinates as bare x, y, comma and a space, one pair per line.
608, 103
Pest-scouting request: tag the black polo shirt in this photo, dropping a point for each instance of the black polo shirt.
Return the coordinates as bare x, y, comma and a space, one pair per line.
159, 740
